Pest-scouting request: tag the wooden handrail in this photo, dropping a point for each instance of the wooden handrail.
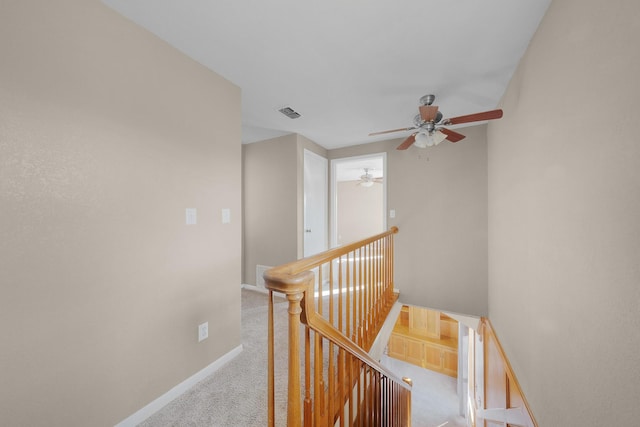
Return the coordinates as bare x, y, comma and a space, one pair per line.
341, 298
324, 328
287, 273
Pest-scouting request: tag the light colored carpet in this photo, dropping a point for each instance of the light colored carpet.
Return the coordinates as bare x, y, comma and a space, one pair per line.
236, 394
434, 398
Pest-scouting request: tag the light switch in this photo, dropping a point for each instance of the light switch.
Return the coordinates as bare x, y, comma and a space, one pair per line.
191, 216
203, 331
226, 216
392, 213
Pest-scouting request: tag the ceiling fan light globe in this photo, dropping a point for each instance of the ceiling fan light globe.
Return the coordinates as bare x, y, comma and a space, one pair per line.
422, 140
438, 137
366, 183
430, 141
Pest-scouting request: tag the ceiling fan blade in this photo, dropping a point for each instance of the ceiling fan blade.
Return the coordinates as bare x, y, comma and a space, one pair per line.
477, 117
390, 131
428, 113
452, 135
407, 142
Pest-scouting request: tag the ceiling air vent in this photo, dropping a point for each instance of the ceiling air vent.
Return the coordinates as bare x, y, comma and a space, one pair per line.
289, 112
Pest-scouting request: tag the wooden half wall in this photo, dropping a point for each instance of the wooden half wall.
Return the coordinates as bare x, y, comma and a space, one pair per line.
496, 399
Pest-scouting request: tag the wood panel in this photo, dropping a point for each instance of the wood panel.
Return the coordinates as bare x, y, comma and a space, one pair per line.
415, 351
417, 338
495, 379
423, 321
433, 324
448, 327
397, 347
450, 362
503, 402
417, 320
433, 358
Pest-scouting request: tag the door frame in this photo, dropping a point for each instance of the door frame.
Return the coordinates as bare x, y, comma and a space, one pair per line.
333, 192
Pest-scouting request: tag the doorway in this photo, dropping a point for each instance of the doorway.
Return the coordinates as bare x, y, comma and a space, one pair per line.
358, 197
315, 170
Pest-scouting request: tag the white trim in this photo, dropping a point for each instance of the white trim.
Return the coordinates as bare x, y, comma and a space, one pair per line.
469, 321
260, 269
265, 291
153, 407
380, 343
254, 288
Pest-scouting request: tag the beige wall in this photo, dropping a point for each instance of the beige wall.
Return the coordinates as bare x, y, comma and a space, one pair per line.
269, 203
273, 201
440, 198
359, 209
564, 209
106, 135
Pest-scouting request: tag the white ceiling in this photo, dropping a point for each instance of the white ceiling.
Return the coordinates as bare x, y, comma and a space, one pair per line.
349, 67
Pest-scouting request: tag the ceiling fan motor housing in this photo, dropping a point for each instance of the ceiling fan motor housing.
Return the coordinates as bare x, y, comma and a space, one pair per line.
427, 99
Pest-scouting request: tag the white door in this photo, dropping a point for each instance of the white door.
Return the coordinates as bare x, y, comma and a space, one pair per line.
315, 203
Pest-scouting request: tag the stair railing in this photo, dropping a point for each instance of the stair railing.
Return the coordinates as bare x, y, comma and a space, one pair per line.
338, 300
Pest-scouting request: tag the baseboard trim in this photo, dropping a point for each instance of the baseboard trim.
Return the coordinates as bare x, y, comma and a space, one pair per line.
261, 290
254, 288
153, 407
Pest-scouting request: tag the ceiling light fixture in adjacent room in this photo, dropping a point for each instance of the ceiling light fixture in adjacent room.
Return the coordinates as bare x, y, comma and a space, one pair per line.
367, 180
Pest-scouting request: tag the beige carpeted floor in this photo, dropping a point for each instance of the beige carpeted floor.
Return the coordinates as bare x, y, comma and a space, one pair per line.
434, 399
236, 394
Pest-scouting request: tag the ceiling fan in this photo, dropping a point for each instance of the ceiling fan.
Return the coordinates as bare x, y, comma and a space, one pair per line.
429, 125
367, 180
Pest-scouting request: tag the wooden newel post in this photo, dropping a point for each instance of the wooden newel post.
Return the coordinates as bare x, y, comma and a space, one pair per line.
293, 286
293, 402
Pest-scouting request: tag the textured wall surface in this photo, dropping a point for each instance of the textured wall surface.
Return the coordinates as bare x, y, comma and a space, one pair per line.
269, 204
564, 203
440, 198
107, 134
359, 209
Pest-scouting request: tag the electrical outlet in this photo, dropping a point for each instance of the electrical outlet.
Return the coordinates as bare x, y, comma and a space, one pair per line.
203, 331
